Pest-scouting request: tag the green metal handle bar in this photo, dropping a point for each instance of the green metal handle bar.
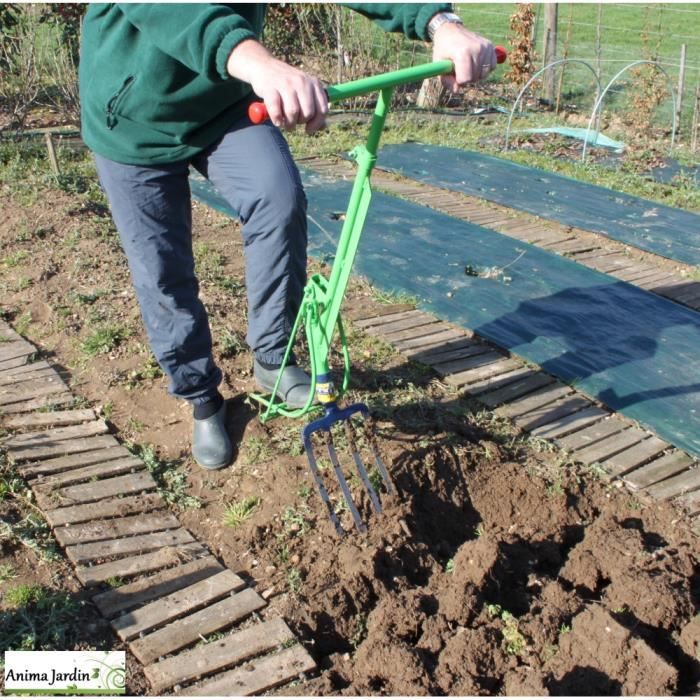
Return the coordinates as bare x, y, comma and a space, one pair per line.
320, 308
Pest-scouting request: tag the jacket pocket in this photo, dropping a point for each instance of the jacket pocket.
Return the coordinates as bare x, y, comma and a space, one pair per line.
116, 100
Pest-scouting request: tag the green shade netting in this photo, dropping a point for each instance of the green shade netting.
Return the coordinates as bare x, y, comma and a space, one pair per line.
636, 352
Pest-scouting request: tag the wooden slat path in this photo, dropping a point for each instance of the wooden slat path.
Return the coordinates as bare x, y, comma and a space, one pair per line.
539, 404
105, 510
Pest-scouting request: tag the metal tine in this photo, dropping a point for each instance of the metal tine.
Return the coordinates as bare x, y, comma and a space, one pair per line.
322, 489
369, 434
361, 469
343, 483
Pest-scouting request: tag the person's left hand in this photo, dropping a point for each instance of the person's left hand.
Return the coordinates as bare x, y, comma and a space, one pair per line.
474, 57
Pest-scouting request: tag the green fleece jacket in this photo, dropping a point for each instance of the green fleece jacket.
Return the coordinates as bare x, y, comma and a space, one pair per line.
153, 82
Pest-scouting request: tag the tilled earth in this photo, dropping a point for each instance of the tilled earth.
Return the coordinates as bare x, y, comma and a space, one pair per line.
501, 569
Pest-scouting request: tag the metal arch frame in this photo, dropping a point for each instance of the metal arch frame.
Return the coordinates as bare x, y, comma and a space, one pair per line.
601, 97
537, 75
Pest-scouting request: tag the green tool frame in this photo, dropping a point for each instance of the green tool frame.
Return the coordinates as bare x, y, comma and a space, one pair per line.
320, 307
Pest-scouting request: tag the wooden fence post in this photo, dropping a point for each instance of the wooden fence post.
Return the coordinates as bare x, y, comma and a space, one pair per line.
681, 89
52, 154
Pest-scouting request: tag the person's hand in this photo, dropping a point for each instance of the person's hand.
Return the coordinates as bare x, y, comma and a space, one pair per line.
291, 96
473, 56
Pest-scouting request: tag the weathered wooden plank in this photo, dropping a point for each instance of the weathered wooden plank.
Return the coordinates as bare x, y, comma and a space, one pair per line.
427, 341
629, 459
191, 628
544, 415
216, 656
73, 461
115, 467
572, 246
23, 374
606, 448
487, 364
450, 351
62, 447
118, 527
161, 611
688, 480
592, 433
51, 418
415, 320
131, 595
257, 676
95, 427
476, 381
379, 320
471, 361
32, 390
571, 423
462, 361
658, 470
140, 564
14, 349
126, 546
595, 254
107, 508
15, 362
540, 397
8, 332
514, 390
421, 331
38, 404
97, 490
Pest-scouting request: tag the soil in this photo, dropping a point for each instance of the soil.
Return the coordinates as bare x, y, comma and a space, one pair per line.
500, 568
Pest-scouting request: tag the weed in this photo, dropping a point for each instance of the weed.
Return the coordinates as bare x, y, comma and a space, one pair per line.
294, 580
514, 640
294, 521
7, 572
304, 492
23, 322
450, 566
134, 425
214, 637
172, 482
237, 513
564, 628
108, 410
15, 259
282, 553
258, 449
287, 441
39, 618
393, 297
479, 531
231, 344
104, 340
493, 610
114, 582
359, 632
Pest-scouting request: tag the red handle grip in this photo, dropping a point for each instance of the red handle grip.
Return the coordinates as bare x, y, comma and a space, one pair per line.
257, 112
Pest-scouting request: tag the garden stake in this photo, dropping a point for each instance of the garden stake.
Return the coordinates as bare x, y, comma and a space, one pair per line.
319, 313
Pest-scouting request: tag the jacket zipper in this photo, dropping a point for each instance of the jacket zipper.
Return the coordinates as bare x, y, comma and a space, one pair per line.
114, 103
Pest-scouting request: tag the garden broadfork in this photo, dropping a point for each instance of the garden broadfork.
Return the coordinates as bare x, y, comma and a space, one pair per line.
319, 313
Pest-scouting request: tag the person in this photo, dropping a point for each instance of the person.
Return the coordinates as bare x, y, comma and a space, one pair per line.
165, 87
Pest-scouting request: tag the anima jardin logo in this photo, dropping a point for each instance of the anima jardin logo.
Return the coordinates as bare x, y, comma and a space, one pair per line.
65, 673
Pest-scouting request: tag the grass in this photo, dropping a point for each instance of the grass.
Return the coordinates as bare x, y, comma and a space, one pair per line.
105, 339
38, 618
237, 513
171, 480
7, 573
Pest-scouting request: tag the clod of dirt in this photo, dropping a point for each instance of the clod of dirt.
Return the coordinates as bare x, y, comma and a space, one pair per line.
524, 682
633, 570
600, 657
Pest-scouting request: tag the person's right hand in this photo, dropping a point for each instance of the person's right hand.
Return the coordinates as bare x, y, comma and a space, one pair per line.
291, 96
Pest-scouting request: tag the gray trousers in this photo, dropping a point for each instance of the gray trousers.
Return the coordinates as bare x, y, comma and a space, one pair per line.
252, 167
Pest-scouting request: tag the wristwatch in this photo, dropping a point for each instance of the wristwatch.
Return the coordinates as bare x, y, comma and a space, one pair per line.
439, 19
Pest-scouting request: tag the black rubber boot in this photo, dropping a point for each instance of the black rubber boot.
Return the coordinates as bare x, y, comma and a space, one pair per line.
211, 445
294, 387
